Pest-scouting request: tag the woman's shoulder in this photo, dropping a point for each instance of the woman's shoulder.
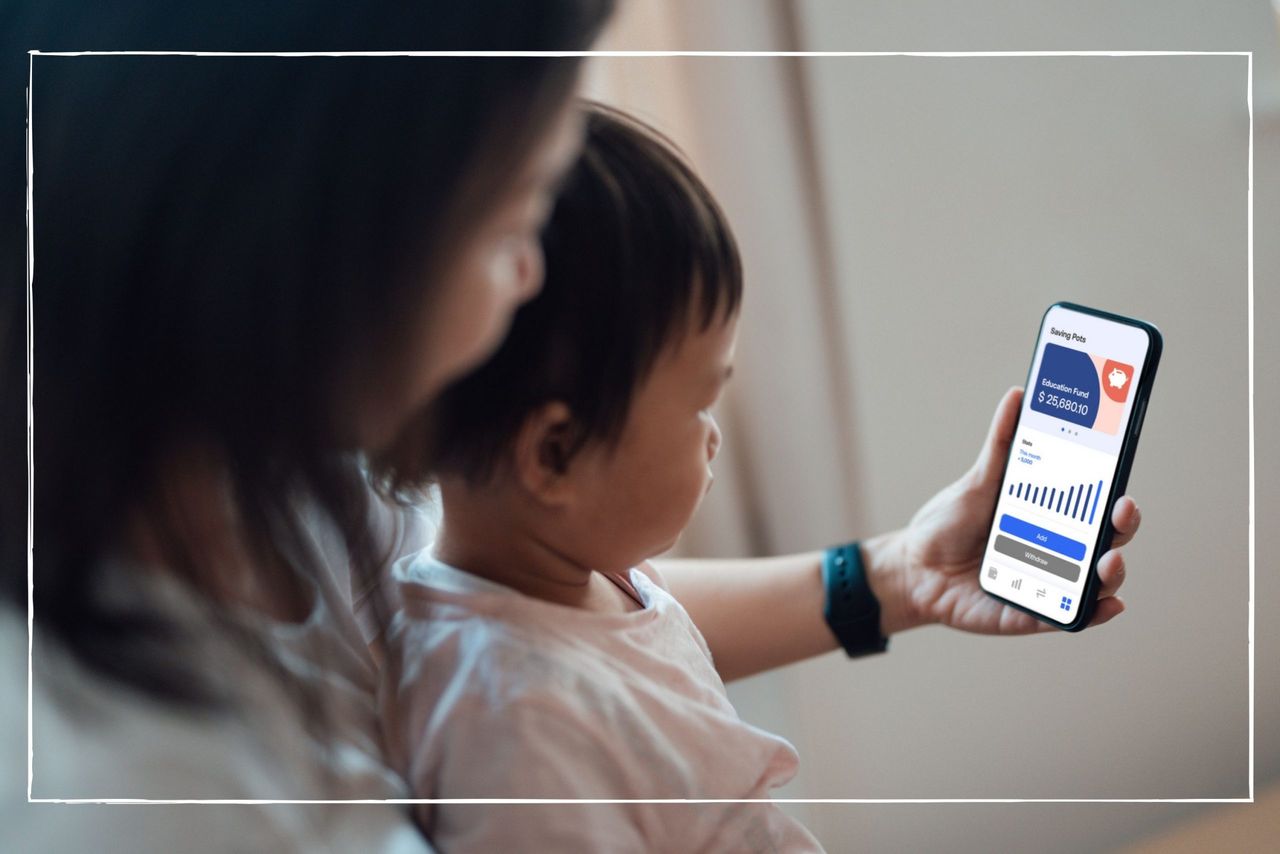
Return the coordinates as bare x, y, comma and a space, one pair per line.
95, 740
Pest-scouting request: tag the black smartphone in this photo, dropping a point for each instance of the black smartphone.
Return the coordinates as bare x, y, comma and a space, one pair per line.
1087, 392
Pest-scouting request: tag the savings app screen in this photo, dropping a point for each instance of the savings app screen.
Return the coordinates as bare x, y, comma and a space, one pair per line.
1074, 418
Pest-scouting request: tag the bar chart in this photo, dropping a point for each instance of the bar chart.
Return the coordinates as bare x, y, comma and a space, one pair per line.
1077, 501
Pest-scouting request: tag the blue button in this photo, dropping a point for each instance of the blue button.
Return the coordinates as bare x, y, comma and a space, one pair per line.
1035, 534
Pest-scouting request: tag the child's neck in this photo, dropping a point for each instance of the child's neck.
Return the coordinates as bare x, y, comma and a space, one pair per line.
478, 537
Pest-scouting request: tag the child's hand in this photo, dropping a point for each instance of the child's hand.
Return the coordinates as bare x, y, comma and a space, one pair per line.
928, 572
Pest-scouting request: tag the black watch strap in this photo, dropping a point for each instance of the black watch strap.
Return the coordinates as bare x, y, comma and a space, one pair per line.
852, 611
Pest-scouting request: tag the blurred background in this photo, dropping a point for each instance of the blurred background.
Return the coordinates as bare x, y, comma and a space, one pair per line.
905, 221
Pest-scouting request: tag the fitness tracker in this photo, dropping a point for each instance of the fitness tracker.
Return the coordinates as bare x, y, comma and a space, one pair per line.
852, 611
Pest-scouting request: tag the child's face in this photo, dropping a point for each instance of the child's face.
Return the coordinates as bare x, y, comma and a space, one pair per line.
634, 500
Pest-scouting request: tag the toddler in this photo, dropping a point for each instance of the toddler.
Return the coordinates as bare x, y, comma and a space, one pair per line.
537, 655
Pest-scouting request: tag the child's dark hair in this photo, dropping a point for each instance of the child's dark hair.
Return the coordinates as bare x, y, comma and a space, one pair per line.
637, 250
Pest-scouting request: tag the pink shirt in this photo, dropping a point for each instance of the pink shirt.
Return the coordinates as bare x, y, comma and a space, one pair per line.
492, 694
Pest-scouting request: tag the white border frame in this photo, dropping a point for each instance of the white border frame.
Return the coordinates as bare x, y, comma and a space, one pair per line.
635, 53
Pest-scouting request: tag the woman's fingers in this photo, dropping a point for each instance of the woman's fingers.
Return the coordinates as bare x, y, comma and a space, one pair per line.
1111, 572
1125, 519
1109, 608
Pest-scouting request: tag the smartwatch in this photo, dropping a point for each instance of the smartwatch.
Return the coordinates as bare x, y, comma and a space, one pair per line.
852, 611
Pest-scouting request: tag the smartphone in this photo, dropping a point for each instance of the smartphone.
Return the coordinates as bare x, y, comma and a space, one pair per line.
1087, 392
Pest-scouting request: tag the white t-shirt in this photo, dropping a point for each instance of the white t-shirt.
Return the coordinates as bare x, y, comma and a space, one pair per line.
488, 693
94, 739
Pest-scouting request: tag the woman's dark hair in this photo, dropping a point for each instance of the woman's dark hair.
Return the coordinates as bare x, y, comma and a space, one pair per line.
220, 243
637, 250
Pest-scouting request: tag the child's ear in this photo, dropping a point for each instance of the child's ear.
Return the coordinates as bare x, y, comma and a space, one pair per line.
542, 451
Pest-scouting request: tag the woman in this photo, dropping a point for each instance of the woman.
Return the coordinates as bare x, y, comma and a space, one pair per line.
250, 269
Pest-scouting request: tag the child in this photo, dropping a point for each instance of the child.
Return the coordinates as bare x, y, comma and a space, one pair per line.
537, 654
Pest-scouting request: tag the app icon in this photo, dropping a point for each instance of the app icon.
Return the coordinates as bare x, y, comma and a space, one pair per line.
1115, 380
1016, 584
1040, 593
991, 573
1065, 604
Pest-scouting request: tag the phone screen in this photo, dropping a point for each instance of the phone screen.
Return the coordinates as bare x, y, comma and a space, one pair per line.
1057, 487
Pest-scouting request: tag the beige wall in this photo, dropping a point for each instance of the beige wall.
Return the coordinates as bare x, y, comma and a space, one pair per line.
905, 222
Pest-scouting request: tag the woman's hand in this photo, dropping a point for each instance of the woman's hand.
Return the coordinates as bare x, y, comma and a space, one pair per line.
928, 572
761, 613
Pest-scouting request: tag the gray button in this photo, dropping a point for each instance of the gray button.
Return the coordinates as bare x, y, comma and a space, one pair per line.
1041, 560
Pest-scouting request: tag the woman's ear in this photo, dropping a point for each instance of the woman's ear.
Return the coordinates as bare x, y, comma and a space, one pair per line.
542, 450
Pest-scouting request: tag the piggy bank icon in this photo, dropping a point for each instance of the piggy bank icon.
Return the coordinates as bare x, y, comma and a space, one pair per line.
1117, 378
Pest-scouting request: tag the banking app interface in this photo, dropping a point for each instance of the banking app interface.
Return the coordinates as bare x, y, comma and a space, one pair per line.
1074, 418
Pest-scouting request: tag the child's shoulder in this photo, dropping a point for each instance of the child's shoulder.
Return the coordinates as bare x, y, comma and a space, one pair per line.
499, 657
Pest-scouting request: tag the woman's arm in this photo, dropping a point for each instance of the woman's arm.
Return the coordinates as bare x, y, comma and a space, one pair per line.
757, 614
